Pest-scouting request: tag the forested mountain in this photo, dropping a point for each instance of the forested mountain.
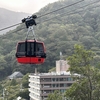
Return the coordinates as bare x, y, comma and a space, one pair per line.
8, 17
64, 28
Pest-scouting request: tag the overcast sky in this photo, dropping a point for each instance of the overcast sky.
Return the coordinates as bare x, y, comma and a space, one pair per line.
28, 6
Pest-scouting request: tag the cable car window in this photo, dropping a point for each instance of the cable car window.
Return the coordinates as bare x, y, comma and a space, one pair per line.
32, 48
21, 47
20, 50
39, 47
27, 46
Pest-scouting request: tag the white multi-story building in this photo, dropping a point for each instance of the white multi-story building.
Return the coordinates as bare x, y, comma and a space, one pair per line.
43, 84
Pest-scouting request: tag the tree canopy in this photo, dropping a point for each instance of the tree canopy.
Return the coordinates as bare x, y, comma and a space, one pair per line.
59, 34
87, 77
55, 96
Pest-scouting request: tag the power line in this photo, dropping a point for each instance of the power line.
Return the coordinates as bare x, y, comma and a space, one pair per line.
60, 9
44, 14
72, 11
68, 13
10, 26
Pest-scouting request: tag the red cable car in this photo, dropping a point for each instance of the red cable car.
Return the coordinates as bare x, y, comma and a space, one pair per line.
30, 52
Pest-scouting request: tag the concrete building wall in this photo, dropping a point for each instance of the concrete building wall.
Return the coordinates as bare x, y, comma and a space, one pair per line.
41, 85
45, 83
61, 65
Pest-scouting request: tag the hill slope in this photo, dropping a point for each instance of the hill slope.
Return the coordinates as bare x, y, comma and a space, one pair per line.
8, 18
59, 35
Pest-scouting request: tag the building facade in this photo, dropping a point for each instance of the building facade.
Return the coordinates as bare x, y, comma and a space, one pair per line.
61, 65
43, 84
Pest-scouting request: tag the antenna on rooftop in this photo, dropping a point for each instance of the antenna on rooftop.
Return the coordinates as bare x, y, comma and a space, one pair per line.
61, 57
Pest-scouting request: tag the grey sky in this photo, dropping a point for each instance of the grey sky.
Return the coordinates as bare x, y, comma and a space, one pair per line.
28, 6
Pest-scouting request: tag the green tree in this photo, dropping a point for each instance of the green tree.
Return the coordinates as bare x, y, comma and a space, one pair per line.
13, 82
52, 69
55, 96
24, 94
87, 77
25, 81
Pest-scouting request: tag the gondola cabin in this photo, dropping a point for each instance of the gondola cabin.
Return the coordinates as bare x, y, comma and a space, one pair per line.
30, 52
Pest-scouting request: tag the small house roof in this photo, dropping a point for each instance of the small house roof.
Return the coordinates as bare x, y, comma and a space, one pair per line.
16, 75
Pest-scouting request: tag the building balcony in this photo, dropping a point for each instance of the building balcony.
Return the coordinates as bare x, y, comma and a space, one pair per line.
34, 86
53, 88
36, 81
34, 97
55, 82
34, 91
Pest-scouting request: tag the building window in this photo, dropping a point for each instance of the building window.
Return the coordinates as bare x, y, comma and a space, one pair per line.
61, 85
53, 79
65, 85
61, 79
62, 90
69, 79
64, 79
53, 85
69, 84
56, 79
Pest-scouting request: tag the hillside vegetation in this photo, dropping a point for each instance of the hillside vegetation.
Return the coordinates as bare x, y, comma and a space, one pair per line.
59, 35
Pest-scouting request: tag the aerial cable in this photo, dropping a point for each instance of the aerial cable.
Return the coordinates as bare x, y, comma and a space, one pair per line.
69, 13
55, 11
44, 14
72, 11
18, 30
10, 26
60, 9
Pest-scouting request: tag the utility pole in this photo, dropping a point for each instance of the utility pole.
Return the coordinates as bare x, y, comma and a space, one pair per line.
5, 93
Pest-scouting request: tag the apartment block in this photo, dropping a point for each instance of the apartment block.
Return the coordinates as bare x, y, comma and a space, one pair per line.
42, 84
